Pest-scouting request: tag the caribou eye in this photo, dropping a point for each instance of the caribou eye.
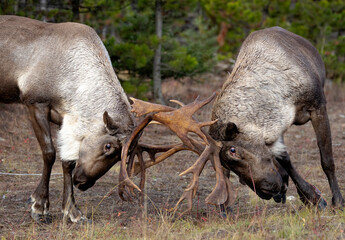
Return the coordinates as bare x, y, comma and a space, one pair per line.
233, 150
107, 147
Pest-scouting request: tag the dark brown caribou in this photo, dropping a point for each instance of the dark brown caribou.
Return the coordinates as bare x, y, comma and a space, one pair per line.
277, 81
63, 74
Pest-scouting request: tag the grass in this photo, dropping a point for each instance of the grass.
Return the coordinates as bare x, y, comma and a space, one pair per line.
263, 221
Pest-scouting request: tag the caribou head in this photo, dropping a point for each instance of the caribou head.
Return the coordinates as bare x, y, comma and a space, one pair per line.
99, 152
255, 166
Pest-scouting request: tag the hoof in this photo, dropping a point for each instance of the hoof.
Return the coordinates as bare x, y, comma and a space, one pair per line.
277, 198
30, 200
83, 221
223, 214
42, 218
322, 204
280, 198
225, 211
338, 202
78, 217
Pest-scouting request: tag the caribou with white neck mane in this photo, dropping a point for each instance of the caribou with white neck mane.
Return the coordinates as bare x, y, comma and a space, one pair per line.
63, 74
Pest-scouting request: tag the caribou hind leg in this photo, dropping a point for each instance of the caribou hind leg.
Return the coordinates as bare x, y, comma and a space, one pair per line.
39, 117
322, 130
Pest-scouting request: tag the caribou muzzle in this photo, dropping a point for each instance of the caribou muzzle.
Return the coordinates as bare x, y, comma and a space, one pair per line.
267, 190
81, 180
268, 187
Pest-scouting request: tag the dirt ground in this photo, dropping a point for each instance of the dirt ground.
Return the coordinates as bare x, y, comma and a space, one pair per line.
20, 154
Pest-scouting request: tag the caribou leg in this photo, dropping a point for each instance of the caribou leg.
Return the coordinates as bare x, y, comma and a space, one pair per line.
322, 130
307, 192
69, 207
281, 197
39, 117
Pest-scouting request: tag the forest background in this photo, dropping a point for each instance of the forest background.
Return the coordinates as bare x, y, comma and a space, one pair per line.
152, 40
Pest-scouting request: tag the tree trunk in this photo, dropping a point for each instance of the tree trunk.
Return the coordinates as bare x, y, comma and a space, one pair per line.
157, 80
75, 10
43, 9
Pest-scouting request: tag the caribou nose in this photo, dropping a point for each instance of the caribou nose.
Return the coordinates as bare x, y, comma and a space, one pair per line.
80, 180
273, 186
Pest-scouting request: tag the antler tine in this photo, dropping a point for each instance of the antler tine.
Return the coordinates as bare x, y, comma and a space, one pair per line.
231, 197
123, 176
188, 195
181, 121
196, 169
201, 133
178, 102
141, 107
130, 162
220, 193
197, 104
152, 150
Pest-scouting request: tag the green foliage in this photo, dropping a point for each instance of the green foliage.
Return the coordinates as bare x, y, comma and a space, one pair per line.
130, 56
191, 29
7, 7
136, 87
334, 58
196, 55
52, 11
188, 47
127, 28
132, 47
322, 22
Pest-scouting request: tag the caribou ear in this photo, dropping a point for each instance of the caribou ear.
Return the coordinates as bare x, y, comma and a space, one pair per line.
223, 131
231, 131
112, 127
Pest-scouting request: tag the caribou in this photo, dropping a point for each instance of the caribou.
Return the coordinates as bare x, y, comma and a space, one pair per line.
277, 81
63, 74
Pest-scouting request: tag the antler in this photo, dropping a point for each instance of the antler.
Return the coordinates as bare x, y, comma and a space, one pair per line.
181, 122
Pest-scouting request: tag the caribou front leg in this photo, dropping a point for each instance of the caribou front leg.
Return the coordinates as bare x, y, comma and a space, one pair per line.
69, 207
307, 192
39, 117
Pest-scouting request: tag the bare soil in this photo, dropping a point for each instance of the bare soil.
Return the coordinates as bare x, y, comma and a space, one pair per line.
20, 154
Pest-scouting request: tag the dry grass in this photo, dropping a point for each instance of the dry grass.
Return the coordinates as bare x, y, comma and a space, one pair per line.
263, 221
252, 218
